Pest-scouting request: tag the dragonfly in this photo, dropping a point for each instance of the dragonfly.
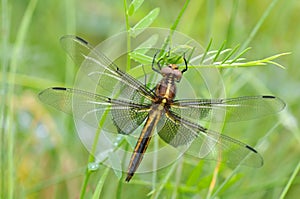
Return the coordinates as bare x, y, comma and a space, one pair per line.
135, 104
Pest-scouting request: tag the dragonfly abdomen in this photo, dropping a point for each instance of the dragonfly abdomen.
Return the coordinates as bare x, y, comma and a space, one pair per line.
142, 144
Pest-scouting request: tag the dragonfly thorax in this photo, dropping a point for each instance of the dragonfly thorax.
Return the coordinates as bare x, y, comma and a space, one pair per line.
166, 88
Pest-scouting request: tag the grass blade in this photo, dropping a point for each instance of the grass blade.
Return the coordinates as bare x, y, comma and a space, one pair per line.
219, 51
206, 51
20, 40
145, 22
240, 55
258, 25
70, 29
230, 54
173, 27
4, 99
100, 184
157, 192
128, 35
233, 15
289, 184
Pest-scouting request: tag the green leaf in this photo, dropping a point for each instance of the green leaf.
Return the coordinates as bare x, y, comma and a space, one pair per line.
134, 6
219, 51
238, 62
240, 55
195, 174
231, 53
145, 22
100, 184
206, 51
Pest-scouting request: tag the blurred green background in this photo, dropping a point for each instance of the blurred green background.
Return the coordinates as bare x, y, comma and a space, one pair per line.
41, 155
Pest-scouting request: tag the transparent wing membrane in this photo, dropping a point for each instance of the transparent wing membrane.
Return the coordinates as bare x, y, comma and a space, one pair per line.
204, 143
235, 109
126, 115
101, 70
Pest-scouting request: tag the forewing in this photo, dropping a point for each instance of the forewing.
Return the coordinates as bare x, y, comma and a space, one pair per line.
234, 109
204, 143
112, 82
90, 108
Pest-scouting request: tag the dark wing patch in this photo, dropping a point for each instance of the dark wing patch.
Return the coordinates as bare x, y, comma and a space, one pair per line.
204, 143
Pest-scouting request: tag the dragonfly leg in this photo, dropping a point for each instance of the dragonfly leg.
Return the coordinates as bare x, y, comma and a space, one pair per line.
158, 64
185, 62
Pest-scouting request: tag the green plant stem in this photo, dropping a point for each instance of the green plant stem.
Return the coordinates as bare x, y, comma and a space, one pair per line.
85, 182
92, 152
292, 178
159, 189
71, 29
173, 27
175, 24
230, 30
20, 39
128, 34
258, 25
5, 17
209, 18
120, 183
178, 176
100, 184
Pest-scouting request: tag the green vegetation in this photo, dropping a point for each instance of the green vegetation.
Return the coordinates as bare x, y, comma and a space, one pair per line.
41, 154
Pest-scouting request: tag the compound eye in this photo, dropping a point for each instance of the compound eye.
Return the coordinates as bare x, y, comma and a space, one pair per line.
177, 74
166, 70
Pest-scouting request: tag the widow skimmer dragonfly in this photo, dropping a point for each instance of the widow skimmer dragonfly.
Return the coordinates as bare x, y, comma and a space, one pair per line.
177, 122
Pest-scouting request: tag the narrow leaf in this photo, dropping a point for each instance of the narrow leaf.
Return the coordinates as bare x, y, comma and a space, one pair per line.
219, 51
241, 54
100, 184
134, 6
276, 64
144, 23
231, 53
206, 50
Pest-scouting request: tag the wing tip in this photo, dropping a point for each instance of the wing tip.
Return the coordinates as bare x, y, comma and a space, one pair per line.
279, 100
259, 161
82, 40
251, 149
74, 37
59, 88
268, 96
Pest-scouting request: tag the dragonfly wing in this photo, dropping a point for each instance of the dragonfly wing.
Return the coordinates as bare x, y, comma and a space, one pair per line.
204, 143
90, 108
102, 71
169, 131
234, 109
